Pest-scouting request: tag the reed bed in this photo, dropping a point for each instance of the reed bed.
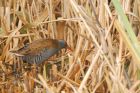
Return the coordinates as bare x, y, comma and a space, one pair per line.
103, 36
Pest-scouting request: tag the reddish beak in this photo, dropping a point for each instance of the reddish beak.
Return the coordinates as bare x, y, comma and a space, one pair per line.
69, 49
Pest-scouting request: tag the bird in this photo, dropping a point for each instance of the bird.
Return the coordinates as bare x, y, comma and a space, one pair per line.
40, 50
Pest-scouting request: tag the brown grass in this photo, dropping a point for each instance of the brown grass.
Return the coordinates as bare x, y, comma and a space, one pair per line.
100, 62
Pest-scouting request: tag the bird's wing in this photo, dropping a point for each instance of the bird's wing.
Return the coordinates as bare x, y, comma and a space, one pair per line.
38, 46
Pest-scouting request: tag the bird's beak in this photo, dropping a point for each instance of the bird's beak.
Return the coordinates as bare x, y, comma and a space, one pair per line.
69, 49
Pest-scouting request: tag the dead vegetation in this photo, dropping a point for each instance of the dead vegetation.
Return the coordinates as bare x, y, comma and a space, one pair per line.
102, 60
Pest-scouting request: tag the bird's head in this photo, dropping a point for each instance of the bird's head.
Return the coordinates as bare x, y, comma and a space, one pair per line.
63, 44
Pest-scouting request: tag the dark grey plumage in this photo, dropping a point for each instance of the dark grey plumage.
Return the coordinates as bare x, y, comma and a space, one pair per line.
40, 50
